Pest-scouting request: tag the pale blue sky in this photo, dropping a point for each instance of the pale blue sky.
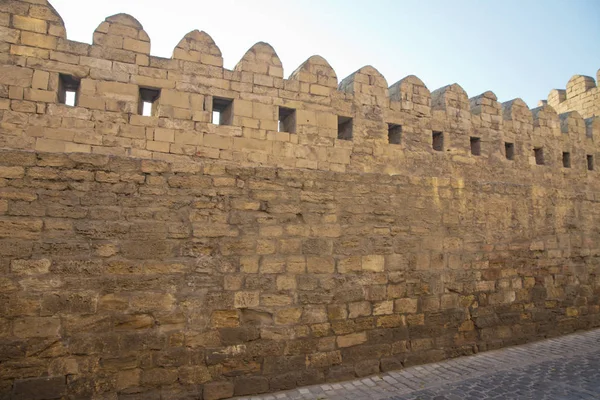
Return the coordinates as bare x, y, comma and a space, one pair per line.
516, 48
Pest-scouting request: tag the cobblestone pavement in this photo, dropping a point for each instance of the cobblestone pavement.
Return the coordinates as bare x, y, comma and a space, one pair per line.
562, 368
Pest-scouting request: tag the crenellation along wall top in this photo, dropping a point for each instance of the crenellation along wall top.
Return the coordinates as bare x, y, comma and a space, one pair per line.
120, 53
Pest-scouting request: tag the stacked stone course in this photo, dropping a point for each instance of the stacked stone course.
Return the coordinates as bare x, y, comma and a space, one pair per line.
165, 256
581, 95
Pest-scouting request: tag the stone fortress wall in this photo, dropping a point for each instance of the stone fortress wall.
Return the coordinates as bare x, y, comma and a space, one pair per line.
320, 230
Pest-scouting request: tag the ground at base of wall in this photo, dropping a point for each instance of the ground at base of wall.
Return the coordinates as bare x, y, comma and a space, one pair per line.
566, 367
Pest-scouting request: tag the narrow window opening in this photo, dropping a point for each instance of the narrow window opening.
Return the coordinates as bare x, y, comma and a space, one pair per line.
590, 162
68, 87
438, 141
344, 128
394, 134
539, 155
147, 102
222, 111
509, 150
566, 160
476, 146
70, 99
147, 110
287, 120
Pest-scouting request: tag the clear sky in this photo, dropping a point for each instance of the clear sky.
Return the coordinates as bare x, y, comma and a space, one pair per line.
516, 48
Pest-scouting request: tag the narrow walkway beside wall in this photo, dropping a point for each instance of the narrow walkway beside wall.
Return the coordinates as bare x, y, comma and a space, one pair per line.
567, 367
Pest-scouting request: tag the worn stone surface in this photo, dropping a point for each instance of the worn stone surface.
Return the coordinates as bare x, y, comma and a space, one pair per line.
580, 95
116, 271
316, 232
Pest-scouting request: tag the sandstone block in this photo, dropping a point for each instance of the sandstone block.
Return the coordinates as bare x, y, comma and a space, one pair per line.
352, 339
151, 302
375, 263
249, 264
218, 390
159, 376
326, 359
349, 264
37, 327
406, 305
320, 90
272, 265
128, 378
9, 35
38, 40
306, 117
142, 249
40, 388
217, 141
572, 312
11, 172
164, 135
359, 309
430, 303
20, 228
337, 312
30, 267
205, 339
286, 282
246, 299
252, 144
288, 316
174, 98
40, 80
188, 137
225, 319
383, 308
17, 76
15, 93
40, 95
320, 265
263, 111
214, 230
30, 24
118, 91
247, 385
193, 375
133, 322
243, 108
42, 11
137, 46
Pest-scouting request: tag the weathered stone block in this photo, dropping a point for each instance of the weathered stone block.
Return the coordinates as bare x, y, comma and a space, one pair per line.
37, 327
38, 40
193, 375
30, 267
373, 263
40, 388
352, 339
320, 265
218, 390
128, 378
14, 75
159, 376
250, 385
30, 24
246, 299
9, 35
